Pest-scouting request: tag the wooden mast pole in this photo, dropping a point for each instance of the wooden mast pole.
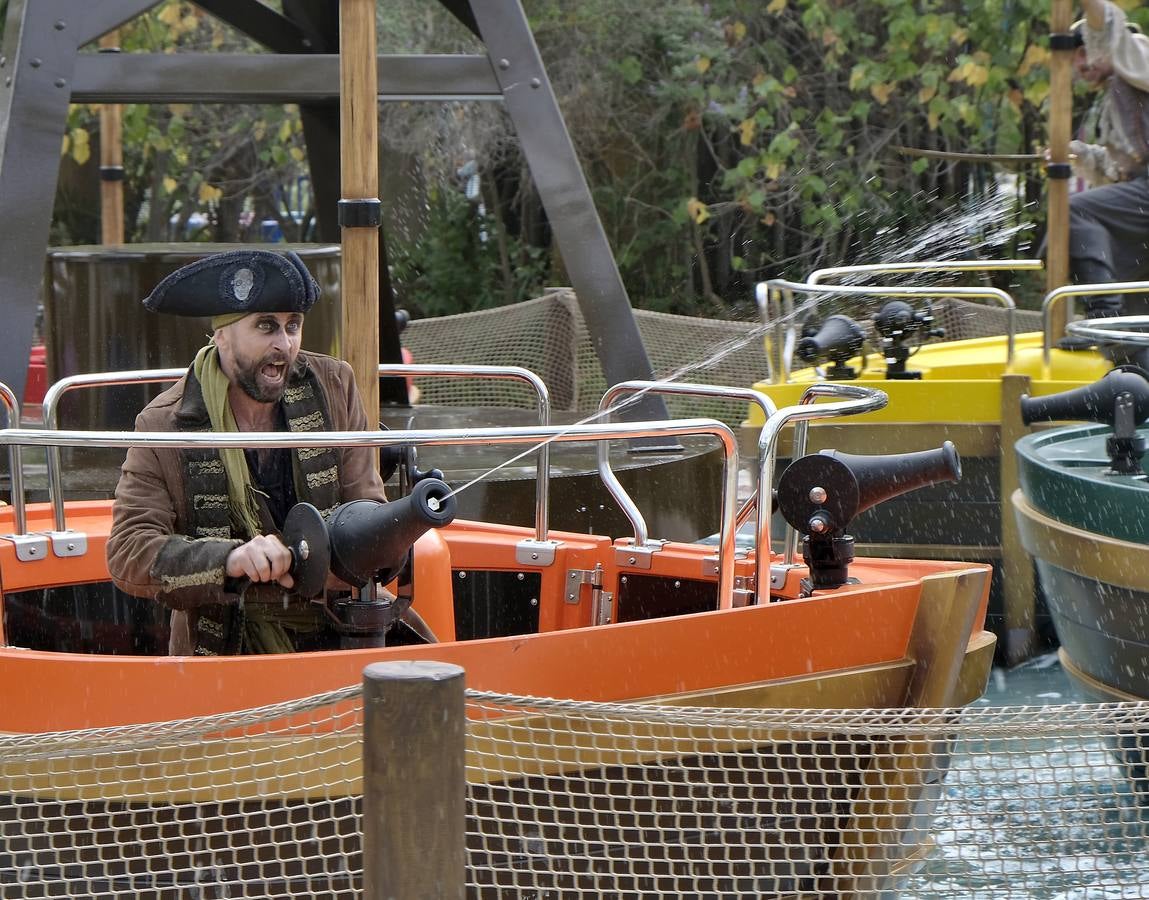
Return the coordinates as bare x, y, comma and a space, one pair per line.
359, 210
111, 159
1060, 126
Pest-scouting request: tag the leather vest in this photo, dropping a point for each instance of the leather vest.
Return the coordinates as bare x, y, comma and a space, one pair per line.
219, 626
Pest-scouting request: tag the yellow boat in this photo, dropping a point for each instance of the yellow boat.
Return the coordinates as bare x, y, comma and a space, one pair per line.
964, 390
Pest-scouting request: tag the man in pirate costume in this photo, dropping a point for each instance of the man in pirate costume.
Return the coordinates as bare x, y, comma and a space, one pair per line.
197, 529
1109, 222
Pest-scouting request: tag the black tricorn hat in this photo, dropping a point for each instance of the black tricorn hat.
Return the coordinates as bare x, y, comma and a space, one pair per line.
238, 281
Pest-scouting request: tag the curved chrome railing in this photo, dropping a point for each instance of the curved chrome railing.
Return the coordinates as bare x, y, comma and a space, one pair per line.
765, 291
921, 267
606, 473
15, 460
510, 373
1115, 329
58, 389
493, 436
51, 404
1067, 292
857, 400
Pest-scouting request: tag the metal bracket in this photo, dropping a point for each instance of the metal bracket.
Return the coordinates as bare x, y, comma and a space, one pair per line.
535, 553
744, 593
68, 543
710, 563
29, 547
576, 578
637, 557
778, 575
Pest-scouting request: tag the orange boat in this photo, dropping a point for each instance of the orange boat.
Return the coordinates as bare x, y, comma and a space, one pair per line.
556, 614
550, 614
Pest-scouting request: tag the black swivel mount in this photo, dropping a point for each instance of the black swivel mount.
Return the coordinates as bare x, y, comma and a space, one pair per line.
363, 542
902, 329
838, 339
819, 496
1120, 399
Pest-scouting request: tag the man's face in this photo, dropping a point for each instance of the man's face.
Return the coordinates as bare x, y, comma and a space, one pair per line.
258, 351
1091, 73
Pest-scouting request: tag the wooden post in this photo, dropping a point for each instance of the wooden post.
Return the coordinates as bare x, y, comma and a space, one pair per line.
359, 210
414, 781
111, 159
1018, 586
1060, 126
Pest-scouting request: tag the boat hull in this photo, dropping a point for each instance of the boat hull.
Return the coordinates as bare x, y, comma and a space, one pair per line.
965, 395
1087, 532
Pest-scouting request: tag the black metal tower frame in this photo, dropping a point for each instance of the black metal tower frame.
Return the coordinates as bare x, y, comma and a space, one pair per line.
43, 70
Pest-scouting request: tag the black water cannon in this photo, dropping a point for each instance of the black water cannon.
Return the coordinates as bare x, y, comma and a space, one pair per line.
820, 494
838, 339
363, 542
901, 327
1120, 399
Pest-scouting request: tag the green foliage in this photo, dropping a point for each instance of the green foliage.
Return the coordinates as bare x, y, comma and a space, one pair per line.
462, 261
223, 161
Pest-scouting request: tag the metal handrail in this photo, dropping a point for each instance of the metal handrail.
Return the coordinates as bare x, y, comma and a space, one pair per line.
1069, 291
443, 437
1113, 329
543, 396
50, 406
766, 289
15, 462
606, 404
151, 376
921, 267
862, 400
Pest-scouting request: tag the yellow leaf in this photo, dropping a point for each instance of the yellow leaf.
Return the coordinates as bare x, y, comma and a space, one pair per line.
959, 36
959, 73
739, 31
179, 109
773, 170
285, 130
932, 120
64, 145
81, 148
259, 129
829, 37
209, 193
189, 23
702, 64
776, 6
746, 130
758, 79
790, 91
170, 14
977, 75
1036, 55
926, 94
698, 211
170, 185
881, 92
857, 75
296, 153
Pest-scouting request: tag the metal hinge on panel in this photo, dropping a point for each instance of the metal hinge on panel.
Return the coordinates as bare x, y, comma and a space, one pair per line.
601, 601
535, 553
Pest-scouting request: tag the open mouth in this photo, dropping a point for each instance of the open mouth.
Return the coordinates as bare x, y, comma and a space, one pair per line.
273, 371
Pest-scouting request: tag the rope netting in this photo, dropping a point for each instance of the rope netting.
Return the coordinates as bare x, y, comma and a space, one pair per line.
548, 336
576, 799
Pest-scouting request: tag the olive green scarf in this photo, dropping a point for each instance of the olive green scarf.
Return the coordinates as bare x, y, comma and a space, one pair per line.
240, 490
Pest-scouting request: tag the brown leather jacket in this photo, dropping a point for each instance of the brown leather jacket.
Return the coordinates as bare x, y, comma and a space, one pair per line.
149, 549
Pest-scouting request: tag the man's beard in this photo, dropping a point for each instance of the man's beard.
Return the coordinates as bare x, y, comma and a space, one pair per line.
247, 377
